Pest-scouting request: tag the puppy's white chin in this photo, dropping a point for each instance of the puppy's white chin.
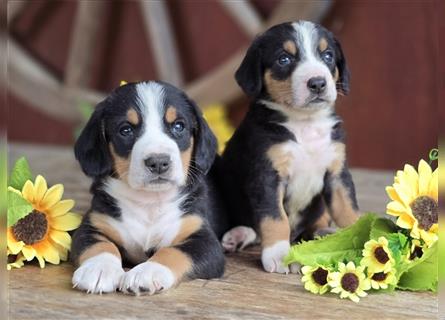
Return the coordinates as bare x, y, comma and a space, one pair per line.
159, 187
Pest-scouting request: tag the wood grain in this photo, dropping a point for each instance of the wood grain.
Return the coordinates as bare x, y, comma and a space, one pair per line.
245, 291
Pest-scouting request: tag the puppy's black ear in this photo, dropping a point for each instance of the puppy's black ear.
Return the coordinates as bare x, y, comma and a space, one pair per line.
91, 148
205, 144
250, 73
343, 70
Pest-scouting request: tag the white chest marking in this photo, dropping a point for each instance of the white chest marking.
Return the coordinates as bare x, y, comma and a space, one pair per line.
147, 221
312, 153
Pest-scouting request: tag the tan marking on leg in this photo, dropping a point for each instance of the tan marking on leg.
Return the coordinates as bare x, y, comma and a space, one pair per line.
99, 221
186, 157
323, 44
342, 211
98, 248
275, 229
121, 165
171, 114
132, 116
340, 156
323, 222
174, 259
290, 47
189, 225
279, 90
281, 159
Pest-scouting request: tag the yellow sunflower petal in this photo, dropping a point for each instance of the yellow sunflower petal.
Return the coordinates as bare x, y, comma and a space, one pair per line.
392, 194
13, 245
412, 177
41, 261
424, 177
48, 252
60, 208
395, 208
28, 191
28, 252
61, 237
433, 189
408, 189
404, 193
52, 196
40, 187
405, 221
66, 222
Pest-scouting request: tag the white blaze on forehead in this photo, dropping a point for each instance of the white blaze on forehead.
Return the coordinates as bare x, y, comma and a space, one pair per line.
150, 96
306, 36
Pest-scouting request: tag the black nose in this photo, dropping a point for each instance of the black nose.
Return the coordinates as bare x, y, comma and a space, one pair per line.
158, 163
316, 84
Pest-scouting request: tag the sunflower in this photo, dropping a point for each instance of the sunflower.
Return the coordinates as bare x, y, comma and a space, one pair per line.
377, 256
381, 280
350, 281
414, 202
42, 233
315, 279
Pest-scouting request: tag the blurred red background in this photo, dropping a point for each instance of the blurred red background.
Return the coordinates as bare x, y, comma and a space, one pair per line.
392, 49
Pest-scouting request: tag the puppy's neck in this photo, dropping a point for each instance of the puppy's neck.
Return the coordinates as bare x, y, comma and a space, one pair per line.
120, 190
299, 114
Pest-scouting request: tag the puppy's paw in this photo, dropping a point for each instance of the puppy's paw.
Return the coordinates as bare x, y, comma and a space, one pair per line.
295, 268
99, 274
236, 239
147, 278
272, 257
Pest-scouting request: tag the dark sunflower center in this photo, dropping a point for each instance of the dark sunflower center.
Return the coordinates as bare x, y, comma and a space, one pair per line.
349, 282
380, 276
320, 276
381, 255
32, 228
417, 253
425, 209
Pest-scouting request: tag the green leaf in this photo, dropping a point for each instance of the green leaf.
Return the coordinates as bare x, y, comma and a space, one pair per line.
344, 245
382, 227
421, 274
20, 174
17, 208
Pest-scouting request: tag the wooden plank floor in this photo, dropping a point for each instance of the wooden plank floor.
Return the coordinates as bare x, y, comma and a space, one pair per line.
245, 291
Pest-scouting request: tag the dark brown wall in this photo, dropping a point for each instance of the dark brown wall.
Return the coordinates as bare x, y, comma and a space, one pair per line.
392, 50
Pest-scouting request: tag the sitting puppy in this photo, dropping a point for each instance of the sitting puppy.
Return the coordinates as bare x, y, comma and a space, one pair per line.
284, 171
148, 150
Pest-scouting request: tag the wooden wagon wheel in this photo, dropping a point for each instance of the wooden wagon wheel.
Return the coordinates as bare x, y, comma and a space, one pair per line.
59, 98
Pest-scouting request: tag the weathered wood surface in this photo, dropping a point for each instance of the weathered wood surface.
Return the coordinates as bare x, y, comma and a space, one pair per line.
245, 292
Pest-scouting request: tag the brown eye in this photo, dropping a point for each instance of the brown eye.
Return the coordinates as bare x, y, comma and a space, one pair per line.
126, 131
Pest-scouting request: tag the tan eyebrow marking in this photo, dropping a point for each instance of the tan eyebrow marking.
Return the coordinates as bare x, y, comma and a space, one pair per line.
290, 47
323, 44
170, 114
132, 116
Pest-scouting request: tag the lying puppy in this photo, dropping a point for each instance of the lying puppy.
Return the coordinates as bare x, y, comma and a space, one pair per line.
148, 150
284, 171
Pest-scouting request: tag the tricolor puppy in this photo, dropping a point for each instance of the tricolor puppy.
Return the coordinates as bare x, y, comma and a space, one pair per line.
148, 150
284, 171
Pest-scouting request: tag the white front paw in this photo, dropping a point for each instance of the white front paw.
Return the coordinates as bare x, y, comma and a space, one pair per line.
148, 277
272, 257
99, 274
